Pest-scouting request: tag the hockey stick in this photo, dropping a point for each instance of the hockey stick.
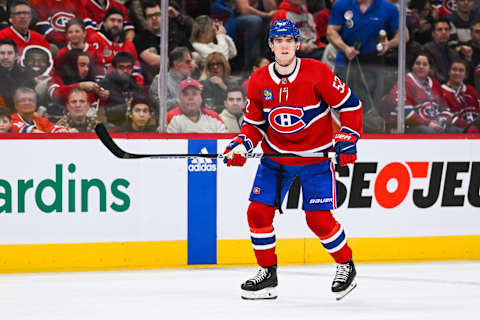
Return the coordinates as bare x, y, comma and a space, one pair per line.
108, 142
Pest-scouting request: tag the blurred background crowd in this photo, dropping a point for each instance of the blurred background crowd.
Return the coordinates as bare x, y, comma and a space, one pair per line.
66, 65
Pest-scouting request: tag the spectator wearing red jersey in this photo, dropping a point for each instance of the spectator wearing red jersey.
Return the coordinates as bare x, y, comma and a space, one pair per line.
110, 40
25, 120
76, 71
425, 110
20, 18
461, 98
52, 19
96, 10
189, 116
75, 33
296, 11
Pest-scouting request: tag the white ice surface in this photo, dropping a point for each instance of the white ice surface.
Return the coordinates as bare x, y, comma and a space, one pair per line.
442, 290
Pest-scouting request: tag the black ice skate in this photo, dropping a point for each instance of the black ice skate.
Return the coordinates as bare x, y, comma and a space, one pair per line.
262, 286
344, 280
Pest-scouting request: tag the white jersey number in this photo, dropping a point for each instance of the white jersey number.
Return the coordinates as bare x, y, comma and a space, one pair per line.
338, 84
247, 104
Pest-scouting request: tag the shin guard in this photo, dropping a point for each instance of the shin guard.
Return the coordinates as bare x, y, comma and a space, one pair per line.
331, 234
260, 221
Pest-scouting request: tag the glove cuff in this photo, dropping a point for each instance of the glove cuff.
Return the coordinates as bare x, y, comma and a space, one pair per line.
346, 137
350, 131
247, 143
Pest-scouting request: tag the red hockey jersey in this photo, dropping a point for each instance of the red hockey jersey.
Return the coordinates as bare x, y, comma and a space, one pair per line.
59, 91
19, 125
463, 103
107, 49
423, 104
89, 49
32, 38
53, 17
292, 114
95, 12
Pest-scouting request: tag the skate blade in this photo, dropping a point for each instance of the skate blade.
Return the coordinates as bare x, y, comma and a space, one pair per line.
267, 293
341, 294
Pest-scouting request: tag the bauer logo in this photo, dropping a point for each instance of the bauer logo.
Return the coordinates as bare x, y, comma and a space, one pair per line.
323, 200
202, 164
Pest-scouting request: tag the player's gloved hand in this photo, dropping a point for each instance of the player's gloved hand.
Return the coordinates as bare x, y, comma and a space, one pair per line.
236, 150
346, 146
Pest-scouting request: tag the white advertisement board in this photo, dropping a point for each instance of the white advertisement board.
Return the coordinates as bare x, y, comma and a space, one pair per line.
70, 191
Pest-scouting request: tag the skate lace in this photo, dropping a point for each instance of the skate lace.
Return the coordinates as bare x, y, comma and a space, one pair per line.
343, 270
262, 273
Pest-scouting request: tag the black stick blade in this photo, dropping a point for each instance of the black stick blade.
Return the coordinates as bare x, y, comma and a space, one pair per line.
108, 142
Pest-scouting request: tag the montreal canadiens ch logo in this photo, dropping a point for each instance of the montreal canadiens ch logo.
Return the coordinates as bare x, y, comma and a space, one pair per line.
60, 20
286, 119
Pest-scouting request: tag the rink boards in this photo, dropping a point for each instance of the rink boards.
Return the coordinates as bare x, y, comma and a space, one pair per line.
66, 203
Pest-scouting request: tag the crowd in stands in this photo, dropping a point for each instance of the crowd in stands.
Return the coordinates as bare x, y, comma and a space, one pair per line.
69, 66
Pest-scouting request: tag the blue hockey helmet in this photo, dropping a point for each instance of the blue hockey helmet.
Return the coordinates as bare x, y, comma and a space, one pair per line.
283, 28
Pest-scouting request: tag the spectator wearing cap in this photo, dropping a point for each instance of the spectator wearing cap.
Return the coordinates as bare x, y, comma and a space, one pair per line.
189, 116
110, 40
20, 18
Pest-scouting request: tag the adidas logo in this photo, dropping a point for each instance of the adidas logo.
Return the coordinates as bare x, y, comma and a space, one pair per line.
202, 164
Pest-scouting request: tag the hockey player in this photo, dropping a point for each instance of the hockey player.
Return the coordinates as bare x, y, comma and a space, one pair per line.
288, 109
